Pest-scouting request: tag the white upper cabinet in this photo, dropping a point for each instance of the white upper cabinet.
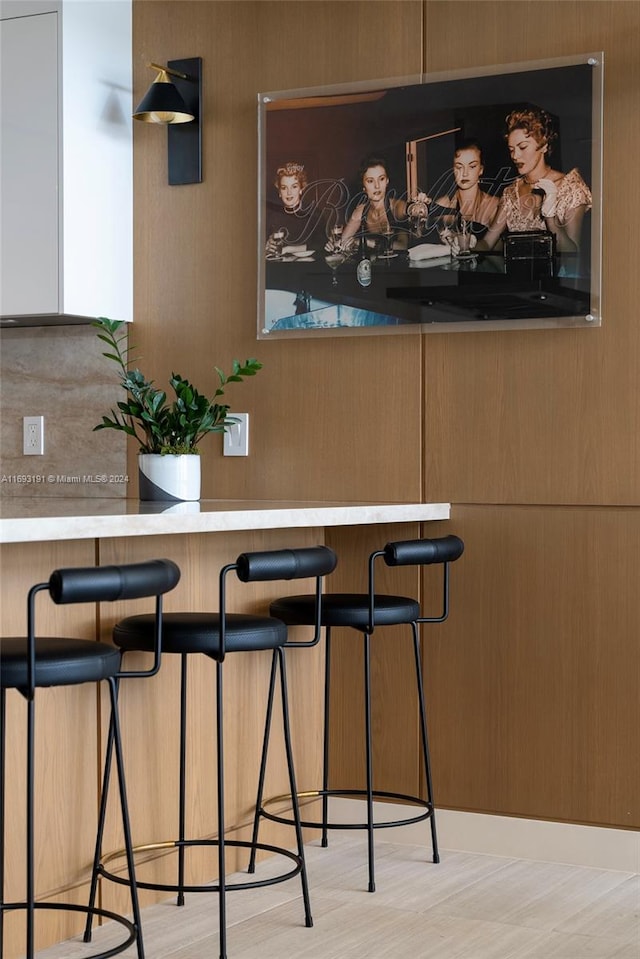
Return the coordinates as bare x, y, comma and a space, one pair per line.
66, 161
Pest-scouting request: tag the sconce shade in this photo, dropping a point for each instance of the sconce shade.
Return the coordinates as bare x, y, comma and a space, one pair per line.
162, 103
173, 100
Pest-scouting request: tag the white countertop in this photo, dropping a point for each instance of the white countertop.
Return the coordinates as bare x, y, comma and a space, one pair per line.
42, 518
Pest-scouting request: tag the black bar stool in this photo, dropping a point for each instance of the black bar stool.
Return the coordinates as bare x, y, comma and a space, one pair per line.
364, 612
32, 662
214, 635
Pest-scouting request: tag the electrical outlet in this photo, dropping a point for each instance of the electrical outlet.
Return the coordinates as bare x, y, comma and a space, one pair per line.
236, 436
33, 435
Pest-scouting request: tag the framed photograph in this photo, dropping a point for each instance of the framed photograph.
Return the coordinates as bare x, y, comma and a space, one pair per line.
457, 201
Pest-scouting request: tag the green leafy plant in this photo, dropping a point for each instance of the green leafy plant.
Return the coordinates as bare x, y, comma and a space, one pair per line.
160, 425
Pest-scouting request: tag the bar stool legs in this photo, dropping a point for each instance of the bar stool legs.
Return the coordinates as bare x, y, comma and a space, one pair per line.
114, 744
364, 612
91, 910
3, 726
369, 759
369, 791
425, 743
277, 665
221, 886
222, 882
31, 662
279, 659
326, 742
182, 780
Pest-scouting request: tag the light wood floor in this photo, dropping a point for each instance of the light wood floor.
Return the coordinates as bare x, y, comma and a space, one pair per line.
468, 907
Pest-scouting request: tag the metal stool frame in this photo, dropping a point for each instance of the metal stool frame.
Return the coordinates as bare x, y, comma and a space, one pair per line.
413, 552
80, 585
299, 563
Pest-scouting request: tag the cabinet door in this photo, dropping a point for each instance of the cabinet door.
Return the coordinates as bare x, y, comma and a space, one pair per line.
29, 165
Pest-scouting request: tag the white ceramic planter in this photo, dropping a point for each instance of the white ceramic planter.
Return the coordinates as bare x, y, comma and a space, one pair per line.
169, 477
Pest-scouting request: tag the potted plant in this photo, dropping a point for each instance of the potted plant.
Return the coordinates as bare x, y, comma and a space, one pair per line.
168, 432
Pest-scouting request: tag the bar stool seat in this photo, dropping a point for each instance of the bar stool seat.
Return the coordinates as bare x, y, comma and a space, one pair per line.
347, 609
58, 662
365, 612
31, 662
200, 633
216, 635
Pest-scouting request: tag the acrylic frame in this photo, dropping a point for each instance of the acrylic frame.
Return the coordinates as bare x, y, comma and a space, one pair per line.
415, 125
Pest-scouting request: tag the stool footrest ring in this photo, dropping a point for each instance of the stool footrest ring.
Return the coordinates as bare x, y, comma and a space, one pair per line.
426, 806
211, 886
100, 913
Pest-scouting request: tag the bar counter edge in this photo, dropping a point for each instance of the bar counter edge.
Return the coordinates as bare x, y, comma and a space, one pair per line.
41, 519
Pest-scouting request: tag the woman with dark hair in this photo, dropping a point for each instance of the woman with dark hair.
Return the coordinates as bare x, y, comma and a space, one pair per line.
469, 201
376, 212
541, 198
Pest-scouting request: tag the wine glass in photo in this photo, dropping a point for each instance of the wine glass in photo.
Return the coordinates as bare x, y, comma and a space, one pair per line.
464, 239
387, 251
418, 211
277, 241
336, 235
333, 260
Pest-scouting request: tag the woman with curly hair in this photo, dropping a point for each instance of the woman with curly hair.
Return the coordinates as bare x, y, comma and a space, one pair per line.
290, 182
541, 198
287, 216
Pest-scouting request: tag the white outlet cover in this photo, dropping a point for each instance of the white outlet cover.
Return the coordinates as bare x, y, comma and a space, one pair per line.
236, 436
33, 435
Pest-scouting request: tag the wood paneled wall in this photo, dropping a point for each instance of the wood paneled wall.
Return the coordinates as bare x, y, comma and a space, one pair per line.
534, 682
547, 417
493, 422
324, 413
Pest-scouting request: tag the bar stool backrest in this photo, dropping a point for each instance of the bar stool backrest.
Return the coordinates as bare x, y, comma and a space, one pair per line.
110, 583
94, 584
287, 564
423, 552
417, 552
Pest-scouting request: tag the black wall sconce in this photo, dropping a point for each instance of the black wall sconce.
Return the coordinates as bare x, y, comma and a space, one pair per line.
173, 99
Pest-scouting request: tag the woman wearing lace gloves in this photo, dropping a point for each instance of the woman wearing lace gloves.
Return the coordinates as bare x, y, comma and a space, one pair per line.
541, 198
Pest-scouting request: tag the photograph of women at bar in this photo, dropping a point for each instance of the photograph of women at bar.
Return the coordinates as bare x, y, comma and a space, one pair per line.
458, 202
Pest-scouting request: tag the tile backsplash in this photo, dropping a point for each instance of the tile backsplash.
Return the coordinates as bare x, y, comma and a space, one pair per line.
59, 373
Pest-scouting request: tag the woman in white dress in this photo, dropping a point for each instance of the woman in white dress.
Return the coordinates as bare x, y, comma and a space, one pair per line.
541, 198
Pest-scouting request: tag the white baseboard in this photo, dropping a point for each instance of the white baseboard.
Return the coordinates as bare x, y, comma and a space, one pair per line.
596, 846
